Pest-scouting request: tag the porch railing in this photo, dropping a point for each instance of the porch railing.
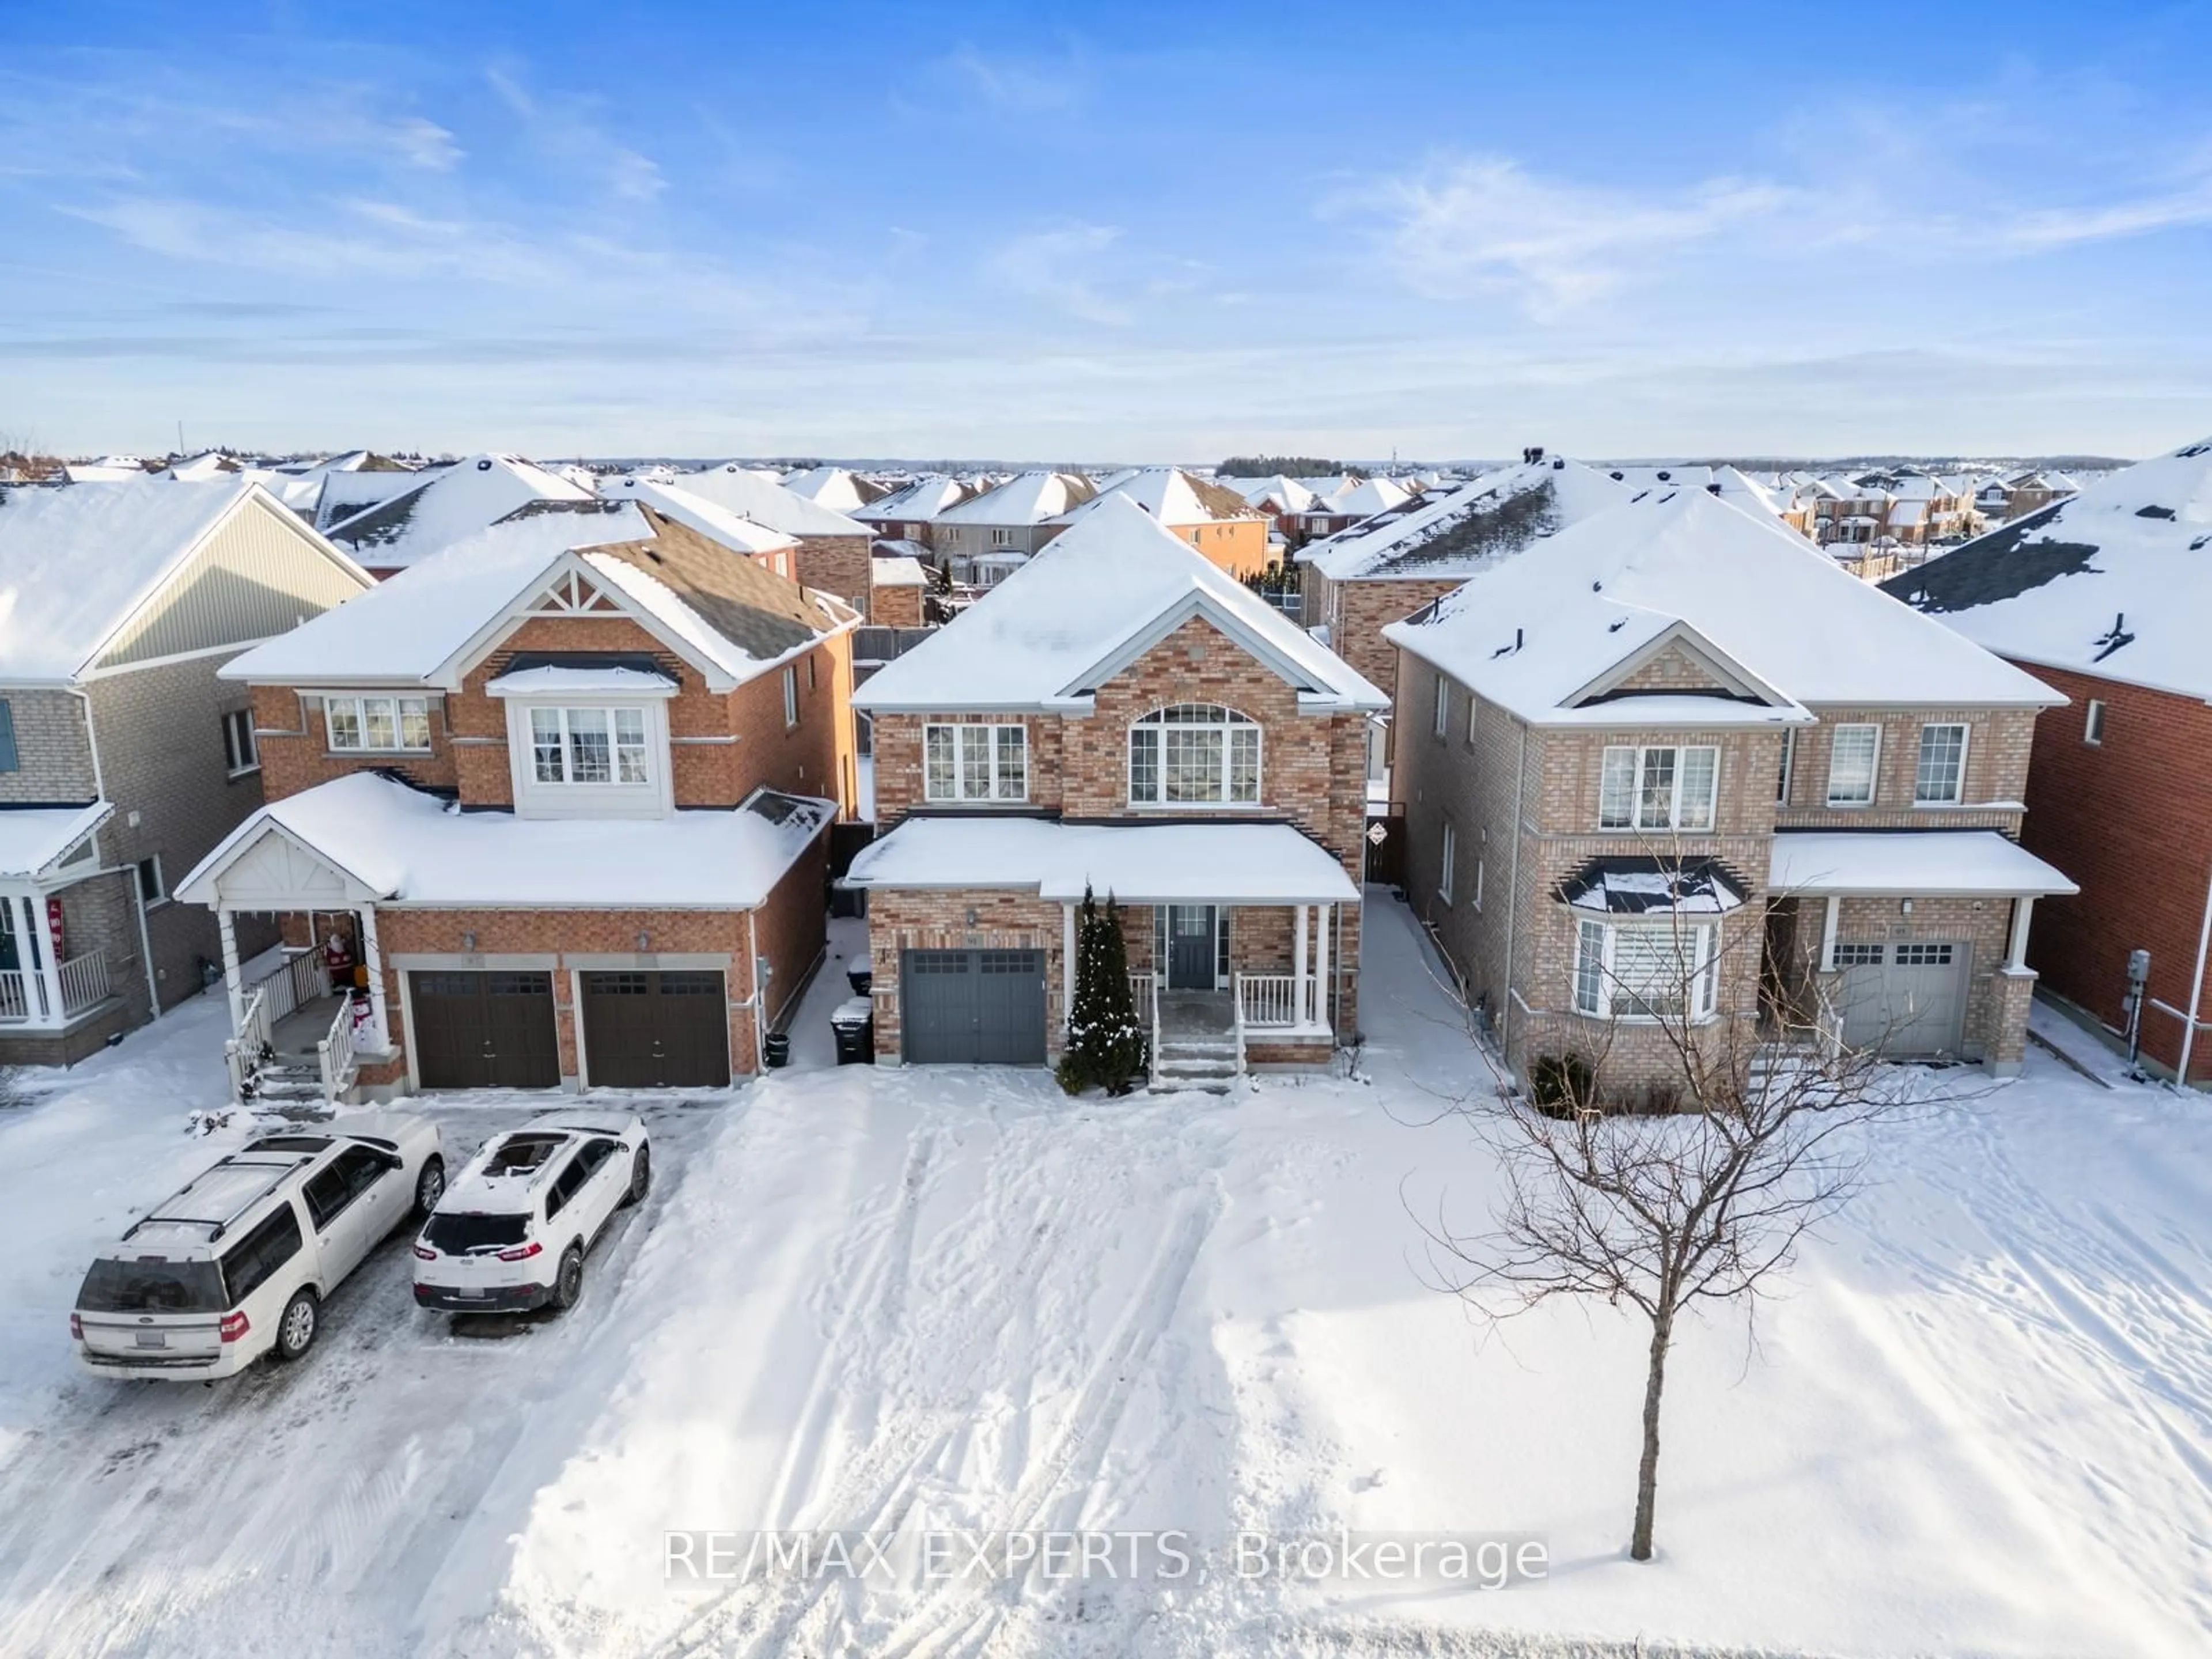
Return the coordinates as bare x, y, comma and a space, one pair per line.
242, 1054
334, 1053
1273, 1000
294, 982
84, 981
1141, 993
15, 996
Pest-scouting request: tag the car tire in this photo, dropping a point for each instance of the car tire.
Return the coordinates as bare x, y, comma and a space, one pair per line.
569, 1282
641, 1175
297, 1325
429, 1186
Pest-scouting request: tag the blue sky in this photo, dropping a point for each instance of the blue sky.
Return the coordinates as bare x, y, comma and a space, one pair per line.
1104, 232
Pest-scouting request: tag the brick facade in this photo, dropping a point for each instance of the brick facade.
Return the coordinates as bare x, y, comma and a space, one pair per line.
836, 564
1356, 612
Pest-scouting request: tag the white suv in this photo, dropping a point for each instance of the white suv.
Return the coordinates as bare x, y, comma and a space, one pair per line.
237, 1264
512, 1232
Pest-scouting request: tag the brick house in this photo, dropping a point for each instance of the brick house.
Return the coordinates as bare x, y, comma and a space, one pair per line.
1120, 714
124, 756
561, 788
1218, 521
909, 513
2104, 595
831, 551
982, 540
440, 506
1340, 504
1674, 764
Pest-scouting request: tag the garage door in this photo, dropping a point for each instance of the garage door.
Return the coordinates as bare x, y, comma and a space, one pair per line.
1904, 1000
973, 1007
484, 1031
667, 1031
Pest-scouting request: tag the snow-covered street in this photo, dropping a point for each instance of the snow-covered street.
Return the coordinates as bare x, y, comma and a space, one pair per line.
1981, 1422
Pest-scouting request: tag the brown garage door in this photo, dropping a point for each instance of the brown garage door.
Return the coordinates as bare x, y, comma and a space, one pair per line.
665, 1030
492, 1030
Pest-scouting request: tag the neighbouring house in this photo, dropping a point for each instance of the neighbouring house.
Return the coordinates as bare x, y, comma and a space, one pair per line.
1358, 580
836, 488
1352, 501
1119, 714
2107, 595
909, 513
897, 584
984, 539
1281, 498
832, 554
123, 756
563, 790
772, 550
440, 509
1673, 763
1217, 521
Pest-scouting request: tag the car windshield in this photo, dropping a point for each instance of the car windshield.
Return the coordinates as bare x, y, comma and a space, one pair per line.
152, 1286
456, 1235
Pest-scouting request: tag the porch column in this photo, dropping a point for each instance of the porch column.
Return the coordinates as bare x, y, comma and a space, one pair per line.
232, 987
1319, 1013
1828, 935
1067, 964
50, 963
1299, 964
373, 959
2016, 950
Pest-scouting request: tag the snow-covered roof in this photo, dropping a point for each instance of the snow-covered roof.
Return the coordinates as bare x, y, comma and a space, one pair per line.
896, 571
750, 494
1277, 494
1030, 498
1457, 532
1363, 498
1099, 593
915, 503
1173, 496
556, 678
1139, 863
402, 846
717, 523
77, 562
447, 506
834, 488
1539, 633
34, 839
732, 617
1928, 863
2116, 581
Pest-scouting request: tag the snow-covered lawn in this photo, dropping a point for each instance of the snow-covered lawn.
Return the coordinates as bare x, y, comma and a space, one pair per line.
1980, 1423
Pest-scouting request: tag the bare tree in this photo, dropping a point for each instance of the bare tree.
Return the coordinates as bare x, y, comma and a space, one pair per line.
1734, 1140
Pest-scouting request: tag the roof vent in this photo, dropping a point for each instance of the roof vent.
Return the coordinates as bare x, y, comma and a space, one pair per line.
1530, 457
484, 466
1560, 465
1712, 490
1666, 477
1616, 476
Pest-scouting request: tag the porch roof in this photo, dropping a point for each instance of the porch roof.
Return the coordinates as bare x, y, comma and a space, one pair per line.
367, 839
33, 839
1137, 863
1911, 863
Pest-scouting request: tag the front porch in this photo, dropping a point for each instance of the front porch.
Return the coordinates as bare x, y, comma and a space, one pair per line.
1217, 991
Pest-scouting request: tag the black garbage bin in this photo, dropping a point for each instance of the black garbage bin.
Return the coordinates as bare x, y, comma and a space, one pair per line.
853, 1024
776, 1049
861, 976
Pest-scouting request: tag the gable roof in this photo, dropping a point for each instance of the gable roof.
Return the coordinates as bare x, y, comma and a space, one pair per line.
1029, 498
76, 563
446, 506
1174, 497
1100, 591
1456, 532
836, 488
732, 618
733, 530
1535, 634
917, 503
1279, 493
1361, 498
750, 494
2116, 581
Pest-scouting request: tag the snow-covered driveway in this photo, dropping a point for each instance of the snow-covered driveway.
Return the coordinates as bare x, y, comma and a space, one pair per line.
1981, 1422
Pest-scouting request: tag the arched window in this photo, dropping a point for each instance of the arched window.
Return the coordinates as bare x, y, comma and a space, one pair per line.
1195, 754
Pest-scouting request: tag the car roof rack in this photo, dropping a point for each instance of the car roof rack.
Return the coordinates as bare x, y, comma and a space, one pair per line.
218, 1225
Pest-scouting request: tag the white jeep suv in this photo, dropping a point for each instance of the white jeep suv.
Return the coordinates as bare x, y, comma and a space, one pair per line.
237, 1263
512, 1232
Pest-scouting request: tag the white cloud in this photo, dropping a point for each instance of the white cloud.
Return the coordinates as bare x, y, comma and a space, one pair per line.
1061, 266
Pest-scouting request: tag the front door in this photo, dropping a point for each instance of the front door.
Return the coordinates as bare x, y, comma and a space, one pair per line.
1190, 947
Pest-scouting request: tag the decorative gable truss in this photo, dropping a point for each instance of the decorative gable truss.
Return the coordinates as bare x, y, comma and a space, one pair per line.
571, 595
572, 587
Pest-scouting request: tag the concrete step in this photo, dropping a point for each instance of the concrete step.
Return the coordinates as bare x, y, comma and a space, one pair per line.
1198, 1068
1198, 1049
1168, 1086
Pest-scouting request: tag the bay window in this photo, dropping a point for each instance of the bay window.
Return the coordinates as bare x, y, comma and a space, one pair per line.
588, 745
1657, 789
378, 723
975, 762
1645, 971
1195, 754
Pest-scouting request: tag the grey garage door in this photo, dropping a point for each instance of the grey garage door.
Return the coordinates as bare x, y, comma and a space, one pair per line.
973, 1007
1906, 1000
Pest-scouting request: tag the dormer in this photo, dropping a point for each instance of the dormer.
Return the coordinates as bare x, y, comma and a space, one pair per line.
587, 735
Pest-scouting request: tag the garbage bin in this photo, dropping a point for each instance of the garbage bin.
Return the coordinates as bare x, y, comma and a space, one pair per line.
775, 1047
853, 1024
861, 976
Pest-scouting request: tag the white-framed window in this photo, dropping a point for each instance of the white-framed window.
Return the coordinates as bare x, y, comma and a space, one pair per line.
1644, 970
240, 753
1442, 723
2093, 723
1657, 789
371, 723
1449, 862
975, 762
1788, 765
790, 695
1940, 779
1854, 761
152, 888
588, 746
1002, 538
1195, 754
